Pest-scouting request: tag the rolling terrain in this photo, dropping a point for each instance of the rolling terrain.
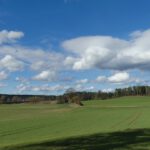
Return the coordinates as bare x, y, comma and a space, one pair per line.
121, 123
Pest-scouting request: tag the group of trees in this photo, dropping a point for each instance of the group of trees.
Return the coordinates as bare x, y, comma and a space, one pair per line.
132, 91
9, 99
72, 96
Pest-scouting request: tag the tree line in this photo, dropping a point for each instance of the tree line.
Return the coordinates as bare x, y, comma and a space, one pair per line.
72, 96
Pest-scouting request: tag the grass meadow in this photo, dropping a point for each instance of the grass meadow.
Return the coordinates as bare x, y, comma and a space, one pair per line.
116, 124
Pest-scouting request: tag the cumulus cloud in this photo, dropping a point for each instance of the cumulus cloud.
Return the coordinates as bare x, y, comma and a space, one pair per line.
38, 65
101, 79
51, 88
55, 88
81, 87
89, 52
16, 57
10, 63
41, 88
36, 59
45, 75
108, 90
106, 52
82, 81
69, 61
10, 36
22, 87
118, 77
91, 88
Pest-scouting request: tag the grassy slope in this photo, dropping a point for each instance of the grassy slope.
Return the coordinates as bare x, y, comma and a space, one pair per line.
26, 124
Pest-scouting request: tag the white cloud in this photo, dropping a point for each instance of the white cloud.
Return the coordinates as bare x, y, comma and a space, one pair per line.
3, 75
45, 76
10, 63
22, 87
51, 88
54, 88
89, 52
81, 87
69, 61
106, 52
92, 51
91, 88
108, 90
136, 34
119, 77
38, 65
101, 79
10, 36
16, 57
35, 59
41, 88
82, 81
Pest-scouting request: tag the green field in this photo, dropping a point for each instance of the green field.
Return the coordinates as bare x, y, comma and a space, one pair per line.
120, 124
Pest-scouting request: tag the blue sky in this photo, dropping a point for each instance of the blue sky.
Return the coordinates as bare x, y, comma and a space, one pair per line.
49, 46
